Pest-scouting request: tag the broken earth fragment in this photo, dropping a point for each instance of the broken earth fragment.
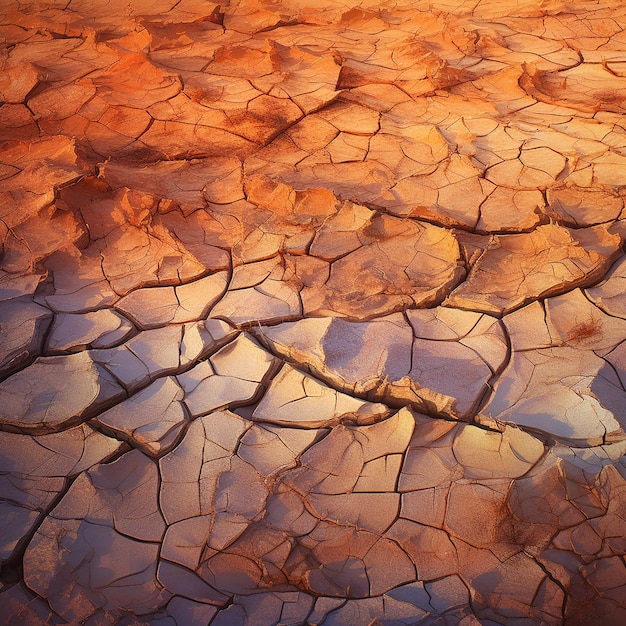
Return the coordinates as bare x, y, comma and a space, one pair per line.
517, 268
98, 329
296, 398
158, 306
260, 292
396, 264
232, 376
23, 325
153, 418
573, 396
89, 516
56, 392
442, 362
33, 468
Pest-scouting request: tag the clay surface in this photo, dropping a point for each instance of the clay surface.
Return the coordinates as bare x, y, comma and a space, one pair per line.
312, 312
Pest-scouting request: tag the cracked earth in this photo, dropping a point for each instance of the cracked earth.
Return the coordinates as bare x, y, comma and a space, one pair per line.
313, 312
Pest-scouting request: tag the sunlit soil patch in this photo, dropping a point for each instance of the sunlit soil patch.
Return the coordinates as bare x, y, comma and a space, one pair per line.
312, 312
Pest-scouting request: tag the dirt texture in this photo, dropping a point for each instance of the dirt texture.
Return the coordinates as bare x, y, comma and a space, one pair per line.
312, 312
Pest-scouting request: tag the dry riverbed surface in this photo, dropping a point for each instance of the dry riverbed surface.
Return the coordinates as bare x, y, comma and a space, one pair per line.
313, 312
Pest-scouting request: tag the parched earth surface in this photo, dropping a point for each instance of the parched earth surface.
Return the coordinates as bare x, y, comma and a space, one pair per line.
313, 312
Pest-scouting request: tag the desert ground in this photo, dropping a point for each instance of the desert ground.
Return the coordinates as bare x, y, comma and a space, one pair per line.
312, 312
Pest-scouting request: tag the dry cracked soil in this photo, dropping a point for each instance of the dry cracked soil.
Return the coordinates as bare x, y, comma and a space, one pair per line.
313, 312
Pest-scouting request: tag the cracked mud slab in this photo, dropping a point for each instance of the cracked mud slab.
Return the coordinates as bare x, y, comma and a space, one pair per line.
312, 313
